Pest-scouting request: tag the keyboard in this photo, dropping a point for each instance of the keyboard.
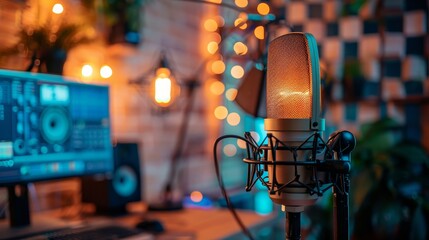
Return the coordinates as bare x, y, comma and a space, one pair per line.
94, 233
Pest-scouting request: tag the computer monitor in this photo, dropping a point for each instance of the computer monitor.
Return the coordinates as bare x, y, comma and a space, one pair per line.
50, 128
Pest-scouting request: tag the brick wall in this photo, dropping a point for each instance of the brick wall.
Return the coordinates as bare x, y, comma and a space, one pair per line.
174, 27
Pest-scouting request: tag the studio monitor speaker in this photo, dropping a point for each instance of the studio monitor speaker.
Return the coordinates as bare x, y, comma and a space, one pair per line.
110, 195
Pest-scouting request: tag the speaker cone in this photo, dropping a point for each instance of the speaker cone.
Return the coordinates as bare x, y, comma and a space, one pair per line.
125, 181
55, 125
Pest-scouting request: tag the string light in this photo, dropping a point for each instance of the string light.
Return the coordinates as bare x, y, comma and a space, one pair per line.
241, 20
87, 70
231, 93
220, 21
259, 32
216, 37
218, 67
221, 112
241, 144
212, 47
106, 71
217, 87
230, 150
210, 25
263, 8
240, 48
233, 119
241, 3
237, 72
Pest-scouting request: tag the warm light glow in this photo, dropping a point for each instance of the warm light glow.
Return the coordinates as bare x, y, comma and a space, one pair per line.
217, 87
163, 90
196, 196
229, 150
221, 112
212, 47
233, 119
240, 23
106, 71
263, 8
216, 37
240, 48
231, 94
255, 136
220, 21
218, 67
259, 32
241, 144
210, 25
241, 3
58, 8
87, 70
237, 72
215, 1
164, 87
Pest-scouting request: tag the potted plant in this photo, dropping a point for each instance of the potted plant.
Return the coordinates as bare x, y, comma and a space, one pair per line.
390, 182
48, 45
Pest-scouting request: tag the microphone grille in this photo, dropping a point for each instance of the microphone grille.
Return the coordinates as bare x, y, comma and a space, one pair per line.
289, 76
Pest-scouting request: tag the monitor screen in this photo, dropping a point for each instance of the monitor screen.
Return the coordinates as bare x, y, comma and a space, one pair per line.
52, 128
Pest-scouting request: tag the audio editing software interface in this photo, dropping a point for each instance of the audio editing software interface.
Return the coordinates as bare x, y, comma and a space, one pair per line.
51, 128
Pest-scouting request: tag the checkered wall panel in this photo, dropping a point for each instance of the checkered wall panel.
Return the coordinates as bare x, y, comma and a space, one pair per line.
387, 56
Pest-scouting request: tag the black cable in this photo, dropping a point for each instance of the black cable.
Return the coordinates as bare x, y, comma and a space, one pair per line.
222, 185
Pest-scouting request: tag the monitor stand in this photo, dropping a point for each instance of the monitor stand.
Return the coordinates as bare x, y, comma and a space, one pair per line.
20, 223
19, 207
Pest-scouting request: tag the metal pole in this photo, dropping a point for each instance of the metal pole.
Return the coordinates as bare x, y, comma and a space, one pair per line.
293, 226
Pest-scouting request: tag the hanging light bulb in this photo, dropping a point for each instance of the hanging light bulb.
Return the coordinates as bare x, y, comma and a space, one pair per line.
58, 8
165, 88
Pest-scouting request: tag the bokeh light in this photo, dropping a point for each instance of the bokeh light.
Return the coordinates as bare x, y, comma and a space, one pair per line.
220, 21
212, 47
263, 8
210, 25
87, 70
259, 32
233, 119
241, 3
240, 48
217, 87
230, 150
218, 67
58, 8
106, 71
237, 72
221, 112
230, 94
196, 196
241, 143
216, 37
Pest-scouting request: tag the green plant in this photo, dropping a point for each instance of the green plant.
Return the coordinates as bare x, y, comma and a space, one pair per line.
390, 178
47, 43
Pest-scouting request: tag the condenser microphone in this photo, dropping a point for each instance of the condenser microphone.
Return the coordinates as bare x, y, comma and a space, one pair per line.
293, 116
301, 166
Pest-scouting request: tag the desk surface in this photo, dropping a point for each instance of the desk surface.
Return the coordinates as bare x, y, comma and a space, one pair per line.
208, 224
189, 223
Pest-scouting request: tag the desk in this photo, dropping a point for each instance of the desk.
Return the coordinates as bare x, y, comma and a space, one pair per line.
207, 224
198, 224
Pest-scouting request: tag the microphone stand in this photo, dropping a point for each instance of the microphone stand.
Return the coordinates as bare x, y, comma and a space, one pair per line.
168, 202
293, 225
341, 209
343, 144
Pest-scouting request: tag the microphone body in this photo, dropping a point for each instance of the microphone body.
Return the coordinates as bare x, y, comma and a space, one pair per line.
293, 116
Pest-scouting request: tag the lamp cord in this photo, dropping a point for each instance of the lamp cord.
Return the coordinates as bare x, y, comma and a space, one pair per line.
229, 204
